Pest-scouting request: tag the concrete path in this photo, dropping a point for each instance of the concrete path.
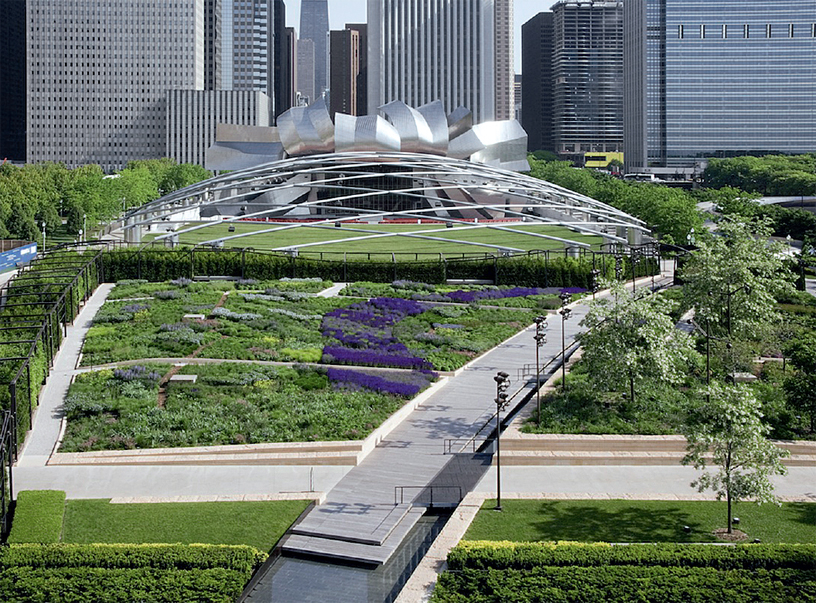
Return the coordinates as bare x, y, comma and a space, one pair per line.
42, 439
367, 514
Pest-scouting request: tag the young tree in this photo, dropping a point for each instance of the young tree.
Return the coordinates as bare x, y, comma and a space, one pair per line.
733, 278
800, 388
631, 340
728, 434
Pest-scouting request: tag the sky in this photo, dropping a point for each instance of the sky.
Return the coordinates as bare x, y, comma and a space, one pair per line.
354, 11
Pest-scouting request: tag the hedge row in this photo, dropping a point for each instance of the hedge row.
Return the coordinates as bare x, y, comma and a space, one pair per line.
539, 270
239, 558
626, 584
85, 584
493, 572
38, 517
112, 573
482, 555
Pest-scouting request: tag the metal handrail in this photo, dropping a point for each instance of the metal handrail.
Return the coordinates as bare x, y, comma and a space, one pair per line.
472, 440
399, 492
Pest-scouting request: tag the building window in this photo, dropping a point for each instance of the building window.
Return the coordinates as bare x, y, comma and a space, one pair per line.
680, 31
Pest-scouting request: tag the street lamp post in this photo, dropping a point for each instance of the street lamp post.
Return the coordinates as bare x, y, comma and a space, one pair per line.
635, 260
502, 380
84, 225
43, 227
565, 314
540, 339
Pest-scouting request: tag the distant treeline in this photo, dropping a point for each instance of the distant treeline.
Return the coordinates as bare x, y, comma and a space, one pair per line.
732, 185
51, 193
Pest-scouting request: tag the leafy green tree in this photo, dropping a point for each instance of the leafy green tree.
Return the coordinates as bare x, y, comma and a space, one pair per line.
730, 201
734, 277
728, 434
21, 224
182, 175
800, 388
632, 340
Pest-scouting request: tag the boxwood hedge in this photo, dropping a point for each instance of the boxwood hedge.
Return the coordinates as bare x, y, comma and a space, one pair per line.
110, 573
488, 572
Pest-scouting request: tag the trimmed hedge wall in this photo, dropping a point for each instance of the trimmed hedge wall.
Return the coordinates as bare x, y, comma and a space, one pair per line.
491, 572
38, 516
539, 270
64, 573
521, 555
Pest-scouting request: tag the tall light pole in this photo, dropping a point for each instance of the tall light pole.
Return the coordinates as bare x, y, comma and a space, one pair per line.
565, 313
43, 227
502, 380
85, 224
540, 340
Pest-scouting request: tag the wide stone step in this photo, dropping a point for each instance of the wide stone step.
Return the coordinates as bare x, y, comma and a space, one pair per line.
247, 458
353, 550
544, 457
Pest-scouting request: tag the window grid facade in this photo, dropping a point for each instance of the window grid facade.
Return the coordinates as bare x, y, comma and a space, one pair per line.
97, 79
721, 77
425, 50
587, 67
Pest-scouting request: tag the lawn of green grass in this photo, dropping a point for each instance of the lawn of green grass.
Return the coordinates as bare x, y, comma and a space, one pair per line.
260, 524
303, 236
639, 521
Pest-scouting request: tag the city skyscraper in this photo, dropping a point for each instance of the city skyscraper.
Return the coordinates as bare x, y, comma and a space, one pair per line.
537, 86
12, 81
314, 26
587, 71
306, 69
715, 78
425, 50
98, 79
573, 79
345, 59
100, 75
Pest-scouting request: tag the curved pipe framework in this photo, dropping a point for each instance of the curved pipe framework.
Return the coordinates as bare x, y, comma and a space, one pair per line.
345, 187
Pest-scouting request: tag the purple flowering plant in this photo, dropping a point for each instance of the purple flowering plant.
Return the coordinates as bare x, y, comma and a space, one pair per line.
406, 385
363, 332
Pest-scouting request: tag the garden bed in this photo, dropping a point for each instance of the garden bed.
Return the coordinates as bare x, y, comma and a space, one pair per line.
231, 404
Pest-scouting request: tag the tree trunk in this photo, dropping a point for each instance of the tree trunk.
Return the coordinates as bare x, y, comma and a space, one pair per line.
728, 498
632, 387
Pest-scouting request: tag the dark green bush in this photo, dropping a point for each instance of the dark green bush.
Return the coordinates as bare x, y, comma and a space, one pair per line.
38, 516
488, 572
503, 555
239, 558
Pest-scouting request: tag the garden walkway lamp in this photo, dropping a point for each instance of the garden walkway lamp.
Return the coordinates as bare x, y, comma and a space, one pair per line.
565, 313
502, 380
84, 226
635, 262
540, 339
43, 227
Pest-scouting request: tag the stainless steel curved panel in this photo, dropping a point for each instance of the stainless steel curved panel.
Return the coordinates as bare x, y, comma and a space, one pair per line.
368, 133
414, 131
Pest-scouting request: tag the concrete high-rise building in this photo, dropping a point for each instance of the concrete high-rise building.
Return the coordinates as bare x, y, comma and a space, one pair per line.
314, 26
98, 79
425, 50
362, 75
244, 31
306, 69
587, 77
193, 115
517, 88
12, 80
710, 78
347, 59
292, 59
283, 74
505, 84
573, 75
537, 90
99, 74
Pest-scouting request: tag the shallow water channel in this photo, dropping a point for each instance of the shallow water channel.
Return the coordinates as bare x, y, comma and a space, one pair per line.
301, 580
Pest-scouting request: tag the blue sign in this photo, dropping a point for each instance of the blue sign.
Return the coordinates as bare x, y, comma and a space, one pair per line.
17, 257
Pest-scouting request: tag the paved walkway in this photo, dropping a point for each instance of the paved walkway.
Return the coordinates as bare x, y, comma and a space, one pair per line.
45, 433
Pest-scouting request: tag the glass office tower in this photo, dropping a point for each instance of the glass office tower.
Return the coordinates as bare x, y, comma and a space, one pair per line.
718, 77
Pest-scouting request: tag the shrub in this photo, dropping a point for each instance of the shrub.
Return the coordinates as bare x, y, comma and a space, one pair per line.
38, 516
